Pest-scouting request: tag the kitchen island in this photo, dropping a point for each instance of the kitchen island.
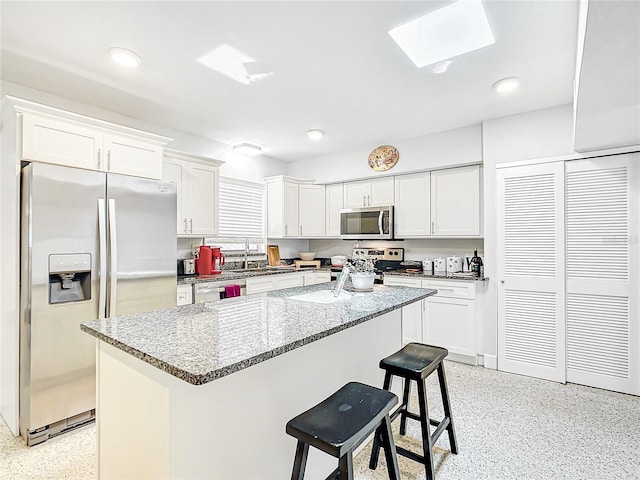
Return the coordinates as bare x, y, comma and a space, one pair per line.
205, 390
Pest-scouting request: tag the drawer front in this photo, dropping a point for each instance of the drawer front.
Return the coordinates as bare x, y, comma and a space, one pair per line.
451, 289
288, 280
402, 281
185, 295
260, 285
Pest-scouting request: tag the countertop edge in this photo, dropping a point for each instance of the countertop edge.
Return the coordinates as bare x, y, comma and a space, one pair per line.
201, 379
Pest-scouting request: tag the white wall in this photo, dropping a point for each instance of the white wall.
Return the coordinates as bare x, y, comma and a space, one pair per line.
538, 134
236, 166
443, 149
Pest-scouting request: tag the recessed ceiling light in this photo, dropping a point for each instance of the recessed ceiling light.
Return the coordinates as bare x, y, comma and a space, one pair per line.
457, 28
506, 85
248, 149
315, 134
125, 57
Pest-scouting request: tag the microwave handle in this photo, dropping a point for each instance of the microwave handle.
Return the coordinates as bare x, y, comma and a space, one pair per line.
380, 215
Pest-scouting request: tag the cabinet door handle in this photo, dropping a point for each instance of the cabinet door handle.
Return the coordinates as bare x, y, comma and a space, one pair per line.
364, 200
285, 229
191, 225
369, 200
300, 229
109, 161
185, 225
433, 228
99, 158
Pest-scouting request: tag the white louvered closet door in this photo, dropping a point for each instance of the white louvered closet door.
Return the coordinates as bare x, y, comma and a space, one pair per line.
531, 317
603, 324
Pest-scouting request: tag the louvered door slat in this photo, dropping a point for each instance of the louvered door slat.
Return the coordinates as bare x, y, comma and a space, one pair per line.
602, 328
530, 317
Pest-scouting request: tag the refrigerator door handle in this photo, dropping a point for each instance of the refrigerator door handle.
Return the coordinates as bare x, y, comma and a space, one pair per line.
102, 238
113, 267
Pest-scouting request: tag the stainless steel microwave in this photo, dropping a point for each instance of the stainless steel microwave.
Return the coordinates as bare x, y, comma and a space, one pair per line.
366, 223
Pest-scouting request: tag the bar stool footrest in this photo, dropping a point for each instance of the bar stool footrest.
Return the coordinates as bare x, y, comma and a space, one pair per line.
409, 454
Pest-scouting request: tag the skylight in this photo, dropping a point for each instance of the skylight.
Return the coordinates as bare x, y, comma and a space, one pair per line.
458, 28
231, 62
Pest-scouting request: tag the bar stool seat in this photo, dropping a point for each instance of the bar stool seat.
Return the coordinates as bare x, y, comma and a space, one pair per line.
415, 362
340, 423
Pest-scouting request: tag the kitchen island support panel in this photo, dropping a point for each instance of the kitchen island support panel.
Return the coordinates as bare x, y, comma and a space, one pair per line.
154, 425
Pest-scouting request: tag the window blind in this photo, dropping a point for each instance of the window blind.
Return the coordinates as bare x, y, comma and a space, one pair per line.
241, 209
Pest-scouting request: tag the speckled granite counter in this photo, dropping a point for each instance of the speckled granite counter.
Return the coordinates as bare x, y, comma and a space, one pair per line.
202, 342
427, 276
229, 275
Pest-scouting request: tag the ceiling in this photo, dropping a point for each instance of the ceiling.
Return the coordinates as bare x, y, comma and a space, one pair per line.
335, 67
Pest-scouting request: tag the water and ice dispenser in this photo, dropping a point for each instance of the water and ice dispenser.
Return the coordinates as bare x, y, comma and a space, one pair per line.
69, 277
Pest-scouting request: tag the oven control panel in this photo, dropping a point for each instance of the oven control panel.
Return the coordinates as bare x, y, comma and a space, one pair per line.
394, 254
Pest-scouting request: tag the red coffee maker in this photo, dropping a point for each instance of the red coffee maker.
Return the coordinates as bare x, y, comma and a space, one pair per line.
204, 262
217, 260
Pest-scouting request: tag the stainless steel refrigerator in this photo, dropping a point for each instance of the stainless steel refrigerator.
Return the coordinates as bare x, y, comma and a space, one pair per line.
93, 245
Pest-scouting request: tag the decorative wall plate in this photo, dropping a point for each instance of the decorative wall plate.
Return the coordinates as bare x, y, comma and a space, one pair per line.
383, 158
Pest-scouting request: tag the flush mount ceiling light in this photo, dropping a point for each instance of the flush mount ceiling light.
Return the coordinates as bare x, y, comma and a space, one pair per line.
125, 57
315, 134
248, 149
234, 64
506, 85
458, 28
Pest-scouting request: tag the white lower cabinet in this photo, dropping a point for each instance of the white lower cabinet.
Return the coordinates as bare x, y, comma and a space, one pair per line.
185, 295
268, 283
451, 323
447, 319
314, 278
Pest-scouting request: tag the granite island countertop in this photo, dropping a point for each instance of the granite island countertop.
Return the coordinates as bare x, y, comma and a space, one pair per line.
202, 342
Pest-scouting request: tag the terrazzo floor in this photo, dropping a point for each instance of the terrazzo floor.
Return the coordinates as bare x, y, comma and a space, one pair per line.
508, 427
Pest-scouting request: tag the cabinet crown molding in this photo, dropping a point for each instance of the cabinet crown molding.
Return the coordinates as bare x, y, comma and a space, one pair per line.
285, 178
22, 106
189, 157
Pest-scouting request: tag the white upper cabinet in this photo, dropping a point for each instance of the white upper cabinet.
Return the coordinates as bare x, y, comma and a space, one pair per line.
334, 195
413, 205
369, 193
54, 136
295, 208
196, 180
311, 210
133, 157
455, 201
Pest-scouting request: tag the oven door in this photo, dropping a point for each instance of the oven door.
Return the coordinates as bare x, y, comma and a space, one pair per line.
366, 223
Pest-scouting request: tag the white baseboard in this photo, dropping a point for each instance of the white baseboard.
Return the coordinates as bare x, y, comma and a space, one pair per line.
491, 361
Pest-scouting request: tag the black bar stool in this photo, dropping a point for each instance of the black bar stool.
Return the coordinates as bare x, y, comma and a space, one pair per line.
340, 423
416, 362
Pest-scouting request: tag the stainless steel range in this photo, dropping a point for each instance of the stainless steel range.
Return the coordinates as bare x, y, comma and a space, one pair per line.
387, 259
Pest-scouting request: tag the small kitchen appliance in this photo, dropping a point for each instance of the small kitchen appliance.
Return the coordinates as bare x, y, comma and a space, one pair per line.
217, 260
204, 265
454, 264
189, 266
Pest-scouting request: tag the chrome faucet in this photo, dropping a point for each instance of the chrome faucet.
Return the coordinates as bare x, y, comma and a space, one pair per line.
246, 253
